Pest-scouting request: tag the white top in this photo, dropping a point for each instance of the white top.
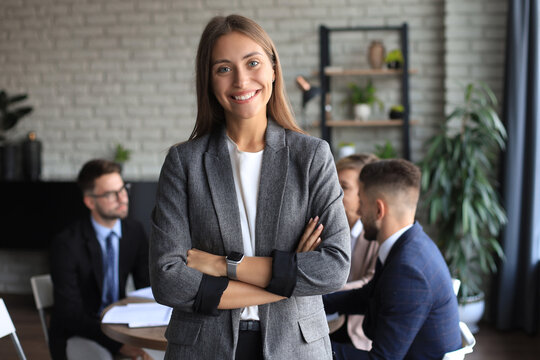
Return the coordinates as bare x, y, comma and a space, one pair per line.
247, 173
387, 245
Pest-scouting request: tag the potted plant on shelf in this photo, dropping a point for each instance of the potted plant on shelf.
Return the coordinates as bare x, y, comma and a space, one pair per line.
121, 154
386, 151
396, 112
363, 98
394, 59
10, 153
458, 177
346, 149
9, 113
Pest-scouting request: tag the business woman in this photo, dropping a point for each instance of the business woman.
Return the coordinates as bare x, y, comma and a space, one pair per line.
231, 212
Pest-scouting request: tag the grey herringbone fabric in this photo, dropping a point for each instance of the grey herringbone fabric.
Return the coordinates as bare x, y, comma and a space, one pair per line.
196, 206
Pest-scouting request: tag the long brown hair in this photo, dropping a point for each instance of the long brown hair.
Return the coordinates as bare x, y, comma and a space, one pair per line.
210, 113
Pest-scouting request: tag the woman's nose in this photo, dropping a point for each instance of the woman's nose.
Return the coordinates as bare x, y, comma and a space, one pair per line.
241, 78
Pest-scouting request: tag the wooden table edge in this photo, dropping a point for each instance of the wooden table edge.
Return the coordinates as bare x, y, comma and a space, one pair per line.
119, 333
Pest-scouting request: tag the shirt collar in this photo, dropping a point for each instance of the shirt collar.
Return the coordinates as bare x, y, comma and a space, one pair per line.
387, 245
102, 232
357, 228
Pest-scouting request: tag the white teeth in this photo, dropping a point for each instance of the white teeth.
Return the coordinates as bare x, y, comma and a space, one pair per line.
244, 97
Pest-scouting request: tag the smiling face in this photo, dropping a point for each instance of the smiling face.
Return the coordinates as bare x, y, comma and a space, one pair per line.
242, 77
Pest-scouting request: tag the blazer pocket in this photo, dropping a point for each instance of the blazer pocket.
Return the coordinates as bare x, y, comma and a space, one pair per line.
183, 332
314, 327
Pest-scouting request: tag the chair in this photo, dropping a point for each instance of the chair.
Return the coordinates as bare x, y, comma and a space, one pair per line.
77, 347
467, 337
468, 343
42, 288
456, 283
7, 328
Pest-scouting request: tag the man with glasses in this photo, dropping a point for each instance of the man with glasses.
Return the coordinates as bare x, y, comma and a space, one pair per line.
90, 263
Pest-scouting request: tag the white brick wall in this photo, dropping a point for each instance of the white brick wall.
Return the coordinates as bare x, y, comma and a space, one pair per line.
102, 72
475, 46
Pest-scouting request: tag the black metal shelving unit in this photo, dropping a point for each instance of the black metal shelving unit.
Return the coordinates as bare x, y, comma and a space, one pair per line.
324, 42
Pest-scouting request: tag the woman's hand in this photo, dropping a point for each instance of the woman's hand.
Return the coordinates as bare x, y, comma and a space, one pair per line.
311, 237
209, 264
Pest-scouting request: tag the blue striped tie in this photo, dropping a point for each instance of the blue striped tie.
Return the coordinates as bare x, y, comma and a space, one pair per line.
110, 293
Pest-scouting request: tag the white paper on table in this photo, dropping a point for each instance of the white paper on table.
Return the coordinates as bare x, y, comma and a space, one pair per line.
139, 315
333, 316
145, 293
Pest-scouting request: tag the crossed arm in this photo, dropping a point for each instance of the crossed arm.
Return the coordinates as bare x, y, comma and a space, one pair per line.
254, 272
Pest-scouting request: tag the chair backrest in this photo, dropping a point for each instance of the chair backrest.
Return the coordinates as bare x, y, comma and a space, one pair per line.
456, 283
467, 338
6, 325
468, 343
7, 328
42, 288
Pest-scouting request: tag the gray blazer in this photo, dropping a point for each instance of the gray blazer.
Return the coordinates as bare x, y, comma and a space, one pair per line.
196, 207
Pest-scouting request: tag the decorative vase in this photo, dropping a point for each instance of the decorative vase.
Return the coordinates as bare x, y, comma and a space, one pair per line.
376, 54
362, 112
471, 311
10, 157
31, 148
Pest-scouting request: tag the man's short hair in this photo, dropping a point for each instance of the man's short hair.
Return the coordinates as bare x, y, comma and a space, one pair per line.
355, 161
94, 169
392, 176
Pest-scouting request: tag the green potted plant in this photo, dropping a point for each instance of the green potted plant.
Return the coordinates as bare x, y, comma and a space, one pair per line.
10, 114
10, 153
121, 154
346, 149
396, 112
386, 151
363, 98
394, 59
458, 178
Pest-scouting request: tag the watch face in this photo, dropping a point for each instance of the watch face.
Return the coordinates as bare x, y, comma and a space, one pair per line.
235, 256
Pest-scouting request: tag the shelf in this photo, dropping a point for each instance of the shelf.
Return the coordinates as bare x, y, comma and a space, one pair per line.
367, 123
337, 71
328, 71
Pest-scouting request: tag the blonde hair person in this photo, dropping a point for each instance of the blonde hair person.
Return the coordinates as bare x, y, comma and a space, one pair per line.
236, 244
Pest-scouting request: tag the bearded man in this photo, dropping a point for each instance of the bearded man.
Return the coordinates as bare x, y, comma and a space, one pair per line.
90, 264
410, 308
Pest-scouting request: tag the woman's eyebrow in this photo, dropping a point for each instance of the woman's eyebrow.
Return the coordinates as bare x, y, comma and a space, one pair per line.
220, 61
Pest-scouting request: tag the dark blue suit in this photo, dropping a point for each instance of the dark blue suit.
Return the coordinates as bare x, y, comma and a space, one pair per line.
410, 308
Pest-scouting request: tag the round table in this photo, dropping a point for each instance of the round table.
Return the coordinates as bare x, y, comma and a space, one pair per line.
147, 337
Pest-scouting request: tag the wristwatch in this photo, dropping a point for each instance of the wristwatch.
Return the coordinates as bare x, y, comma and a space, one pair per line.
233, 259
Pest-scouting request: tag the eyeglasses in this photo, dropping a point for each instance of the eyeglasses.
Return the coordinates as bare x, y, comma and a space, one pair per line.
113, 195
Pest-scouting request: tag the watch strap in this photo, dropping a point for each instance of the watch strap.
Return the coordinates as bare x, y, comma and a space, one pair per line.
231, 270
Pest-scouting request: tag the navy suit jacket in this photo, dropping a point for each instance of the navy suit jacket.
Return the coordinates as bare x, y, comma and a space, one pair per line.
77, 275
410, 308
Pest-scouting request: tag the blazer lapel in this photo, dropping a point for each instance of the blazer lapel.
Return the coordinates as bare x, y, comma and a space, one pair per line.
274, 171
94, 251
275, 164
123, 259
221, 182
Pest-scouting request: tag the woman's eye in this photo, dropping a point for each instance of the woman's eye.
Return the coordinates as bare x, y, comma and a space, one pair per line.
223, 69
253, 63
